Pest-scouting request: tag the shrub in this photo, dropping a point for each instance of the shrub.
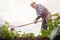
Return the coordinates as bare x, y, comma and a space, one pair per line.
52, 23
5, 33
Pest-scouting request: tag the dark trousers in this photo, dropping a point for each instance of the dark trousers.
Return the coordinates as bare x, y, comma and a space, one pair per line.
44, 26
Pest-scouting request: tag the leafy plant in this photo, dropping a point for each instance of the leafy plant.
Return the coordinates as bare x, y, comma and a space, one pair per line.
28, 35
5, 33
52, 23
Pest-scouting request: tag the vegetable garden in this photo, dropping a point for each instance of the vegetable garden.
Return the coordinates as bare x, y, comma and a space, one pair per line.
6, 34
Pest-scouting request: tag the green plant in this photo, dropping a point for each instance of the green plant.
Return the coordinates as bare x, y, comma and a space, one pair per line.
5, 33
52, 23
28, 35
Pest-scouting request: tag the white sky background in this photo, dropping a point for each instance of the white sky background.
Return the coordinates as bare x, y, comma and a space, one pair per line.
18, 12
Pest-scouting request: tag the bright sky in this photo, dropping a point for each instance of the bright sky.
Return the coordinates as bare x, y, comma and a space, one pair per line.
18, 12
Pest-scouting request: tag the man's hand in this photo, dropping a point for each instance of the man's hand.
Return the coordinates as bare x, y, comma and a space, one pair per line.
35, 21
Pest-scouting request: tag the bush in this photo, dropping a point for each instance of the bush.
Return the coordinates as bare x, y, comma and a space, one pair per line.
5, 33
52, 23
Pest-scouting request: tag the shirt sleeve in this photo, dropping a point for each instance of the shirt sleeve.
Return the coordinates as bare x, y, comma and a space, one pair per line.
40, 10
38, 13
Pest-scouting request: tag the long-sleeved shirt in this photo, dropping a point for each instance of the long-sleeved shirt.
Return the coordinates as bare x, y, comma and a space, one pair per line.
41, 11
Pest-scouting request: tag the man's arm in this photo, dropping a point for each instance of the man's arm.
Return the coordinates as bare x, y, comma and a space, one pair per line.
38, 17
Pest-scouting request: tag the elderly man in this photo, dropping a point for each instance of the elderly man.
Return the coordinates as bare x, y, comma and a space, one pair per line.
42, 12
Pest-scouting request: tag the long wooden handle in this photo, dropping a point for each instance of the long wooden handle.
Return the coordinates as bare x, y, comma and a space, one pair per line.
28, 24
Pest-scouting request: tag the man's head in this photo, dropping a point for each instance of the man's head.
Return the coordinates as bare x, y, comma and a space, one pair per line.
33, 5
